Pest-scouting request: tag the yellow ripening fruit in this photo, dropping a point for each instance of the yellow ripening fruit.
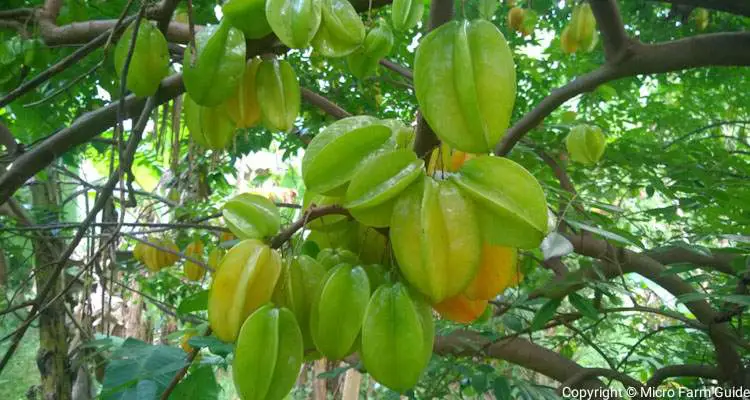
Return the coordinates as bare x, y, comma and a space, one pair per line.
515, 18
193, 271
157, 259
243, 107
461, 309
701, 18
214, 258
496, 270
567, 42
243, 282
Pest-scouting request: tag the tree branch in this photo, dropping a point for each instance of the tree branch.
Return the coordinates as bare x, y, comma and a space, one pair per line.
675, 255
397, 68
183, 371
730, 6
588, 373
718, 49
693, 370
611, 28
324, 104
309, 215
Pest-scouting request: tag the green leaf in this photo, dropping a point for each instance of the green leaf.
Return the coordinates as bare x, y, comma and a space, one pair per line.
138, 370
544, 314
333, 373
512, 322
584, 305
501, 388
742, 300
196, 302
213, 344
200, 384
686, 298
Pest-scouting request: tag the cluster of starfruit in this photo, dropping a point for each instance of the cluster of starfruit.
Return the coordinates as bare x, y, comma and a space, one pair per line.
154, 256
522, 20
580, 34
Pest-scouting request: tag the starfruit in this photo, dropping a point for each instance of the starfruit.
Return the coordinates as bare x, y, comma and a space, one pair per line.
377, 275
343, 236
210, 127
397, 337
583, 26
337, 151
510, 202
378, 182
338, 309
461, 309
444, 159
402, 136
529, 22
278, 94
249, 16
243, 106
701, 17
465, 82
295, 22
331, 257
139, 252
405, 14
268, 355
487, 9
496, 270
378, 43
156, 258
567, 41
214, 258
243, 282
341, 29
251, 216
193, 271
436, 239
212, 74
372, 245
150, 61
326, 222
296, 290
586, 144
515, 18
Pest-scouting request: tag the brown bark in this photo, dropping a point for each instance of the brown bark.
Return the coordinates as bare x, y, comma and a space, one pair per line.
52, 357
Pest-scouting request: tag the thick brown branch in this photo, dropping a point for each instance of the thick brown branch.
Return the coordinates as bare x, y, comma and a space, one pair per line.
610, 27
397, 68
81, 131
693, 370
676, 255
324, 104
739, 7
720, 49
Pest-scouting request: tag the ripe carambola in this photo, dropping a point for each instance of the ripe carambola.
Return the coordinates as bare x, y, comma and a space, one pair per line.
193, 271
338, 309
397, 337
496, 271
268, 354
296, 289
586, 144
278, 94
461, 309
510, 202
150, 61
212, 74
465, 82
436, 239
251, 216
157, 259
210, 127
243, 282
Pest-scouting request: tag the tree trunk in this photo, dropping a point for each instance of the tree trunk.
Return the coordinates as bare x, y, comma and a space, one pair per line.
52, 357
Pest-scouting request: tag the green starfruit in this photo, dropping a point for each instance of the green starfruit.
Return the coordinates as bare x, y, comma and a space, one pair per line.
243, 106
583, 27
150, 61
465, 82
377, 183
405, 14
586, 144
295, 22
296, 290
403, 136
341, 29
249, 16
210, 127
436, 239
212, 74
378, 43
268, 355
278, 94
338, 309
397, 337
511, 204
243, 282
251, 216
331, 257
338, 150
